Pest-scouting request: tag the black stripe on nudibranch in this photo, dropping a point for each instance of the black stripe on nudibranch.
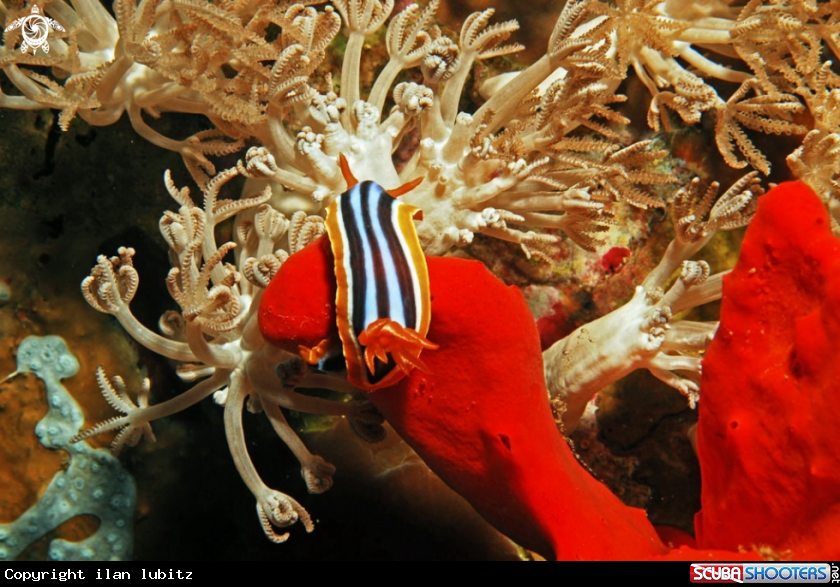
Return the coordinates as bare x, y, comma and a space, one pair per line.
351, 234
405, 279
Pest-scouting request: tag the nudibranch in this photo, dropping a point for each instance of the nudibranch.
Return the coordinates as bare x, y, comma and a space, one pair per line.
382, 301
382, 305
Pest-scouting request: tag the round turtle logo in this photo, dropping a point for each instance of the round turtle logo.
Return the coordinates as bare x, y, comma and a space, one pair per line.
34, 29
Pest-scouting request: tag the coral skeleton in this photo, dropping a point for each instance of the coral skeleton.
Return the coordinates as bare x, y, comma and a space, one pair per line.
542, 163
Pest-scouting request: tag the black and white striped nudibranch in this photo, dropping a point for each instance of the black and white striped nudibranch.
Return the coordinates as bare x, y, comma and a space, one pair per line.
383, 307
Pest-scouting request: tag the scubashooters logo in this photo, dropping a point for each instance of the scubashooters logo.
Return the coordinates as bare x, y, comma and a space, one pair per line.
35, 28
760, 573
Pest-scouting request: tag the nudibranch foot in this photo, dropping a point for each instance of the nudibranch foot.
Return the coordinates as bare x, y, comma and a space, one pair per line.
385, 337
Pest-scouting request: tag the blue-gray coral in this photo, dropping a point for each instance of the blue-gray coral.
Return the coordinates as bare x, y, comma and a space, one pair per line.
94, 483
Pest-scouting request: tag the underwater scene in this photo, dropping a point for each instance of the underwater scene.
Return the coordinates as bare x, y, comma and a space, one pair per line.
434, 280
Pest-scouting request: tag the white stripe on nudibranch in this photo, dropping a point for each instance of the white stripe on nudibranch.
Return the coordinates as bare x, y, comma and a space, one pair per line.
395, 294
